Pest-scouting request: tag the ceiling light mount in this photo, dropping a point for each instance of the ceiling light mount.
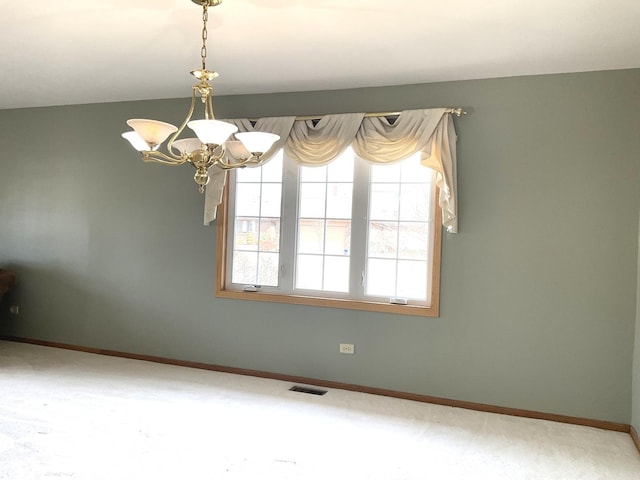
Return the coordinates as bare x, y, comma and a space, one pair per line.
210, 3
212, 145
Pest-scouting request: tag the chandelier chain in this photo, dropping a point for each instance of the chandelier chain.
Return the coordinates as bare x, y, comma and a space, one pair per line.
205, 19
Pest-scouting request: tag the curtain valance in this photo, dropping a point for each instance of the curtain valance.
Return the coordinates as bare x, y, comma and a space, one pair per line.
376, 139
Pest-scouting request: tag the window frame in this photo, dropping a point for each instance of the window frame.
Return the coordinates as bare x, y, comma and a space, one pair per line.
222, 291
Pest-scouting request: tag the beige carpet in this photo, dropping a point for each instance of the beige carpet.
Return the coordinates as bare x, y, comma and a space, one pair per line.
67, 414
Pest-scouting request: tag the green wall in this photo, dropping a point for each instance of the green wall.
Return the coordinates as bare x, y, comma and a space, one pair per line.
538, 302
635, 396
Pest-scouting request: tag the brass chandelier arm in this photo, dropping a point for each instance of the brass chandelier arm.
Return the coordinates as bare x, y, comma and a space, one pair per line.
228, 165
159, 157
208, 111
204, 90
184, 124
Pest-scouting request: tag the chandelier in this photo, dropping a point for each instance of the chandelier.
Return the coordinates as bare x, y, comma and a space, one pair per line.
212, 145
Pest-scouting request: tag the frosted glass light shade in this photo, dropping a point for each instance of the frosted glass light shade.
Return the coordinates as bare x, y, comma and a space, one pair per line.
257, 142
136, 142
153, 132
212, 131
188, 145
237, 150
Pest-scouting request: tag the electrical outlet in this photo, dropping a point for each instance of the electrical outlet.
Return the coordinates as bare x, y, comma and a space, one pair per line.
14, 310
347, 348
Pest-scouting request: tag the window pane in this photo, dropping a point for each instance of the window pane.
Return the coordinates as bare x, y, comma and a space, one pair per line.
338, 237
324, 225
248, 199
245, 267
268, 269
402, 198
381, 277
312, 200
385, 173
248, 174
258, 198
309, 272
271, 195
383, 239
313, 174
384, 201
272, 170
310, 236
269, 234
341, 169
336, 274
339, 200
413, 171
415, 202
246, 233
412, 280
413, 241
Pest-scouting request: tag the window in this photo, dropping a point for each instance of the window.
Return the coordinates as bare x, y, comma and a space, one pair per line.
348, 234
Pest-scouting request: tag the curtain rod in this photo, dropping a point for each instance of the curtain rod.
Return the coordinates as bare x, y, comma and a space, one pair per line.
457, 111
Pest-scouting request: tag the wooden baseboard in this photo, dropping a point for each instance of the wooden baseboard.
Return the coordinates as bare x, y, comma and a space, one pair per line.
634, 436
481, 407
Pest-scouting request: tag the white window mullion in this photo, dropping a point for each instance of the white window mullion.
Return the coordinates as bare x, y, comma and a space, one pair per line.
259, 253
324, 233
359, 226
231, 226
289, 225
398, 237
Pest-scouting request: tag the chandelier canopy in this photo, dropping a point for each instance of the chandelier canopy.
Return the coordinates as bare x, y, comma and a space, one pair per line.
214, 144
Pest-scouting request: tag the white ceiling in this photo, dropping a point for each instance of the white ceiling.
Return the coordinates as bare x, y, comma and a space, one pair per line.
78, 51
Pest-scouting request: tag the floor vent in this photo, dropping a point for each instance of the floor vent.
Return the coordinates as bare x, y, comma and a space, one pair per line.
312, 391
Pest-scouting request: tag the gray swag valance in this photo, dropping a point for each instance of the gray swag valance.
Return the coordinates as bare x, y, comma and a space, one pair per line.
375, 139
